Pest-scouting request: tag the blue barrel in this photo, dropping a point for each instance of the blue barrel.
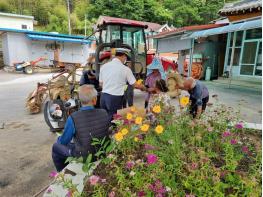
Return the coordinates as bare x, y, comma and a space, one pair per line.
208, 73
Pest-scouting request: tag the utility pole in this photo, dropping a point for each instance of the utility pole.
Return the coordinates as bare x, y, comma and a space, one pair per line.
85, 25
69, 26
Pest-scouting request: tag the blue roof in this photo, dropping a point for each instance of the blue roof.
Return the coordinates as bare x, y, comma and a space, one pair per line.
57, 38
229, 28
49, 36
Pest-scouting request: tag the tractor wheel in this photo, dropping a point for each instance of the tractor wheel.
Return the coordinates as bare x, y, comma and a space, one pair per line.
28, 70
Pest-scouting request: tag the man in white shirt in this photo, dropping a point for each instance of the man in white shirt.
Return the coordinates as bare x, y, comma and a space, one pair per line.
113, 78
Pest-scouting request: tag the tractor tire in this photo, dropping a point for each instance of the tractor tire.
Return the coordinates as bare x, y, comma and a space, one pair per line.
28, 70
53, 125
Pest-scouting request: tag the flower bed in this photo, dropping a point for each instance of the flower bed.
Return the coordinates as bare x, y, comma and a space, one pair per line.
173, 156
167, 154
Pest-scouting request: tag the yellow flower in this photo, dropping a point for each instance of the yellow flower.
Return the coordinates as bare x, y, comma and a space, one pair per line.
138, 120
136, 139
145, 127
124, 131
139, 82
129, 116
156, 109
118, 136
159, 129
184, 101
133, 109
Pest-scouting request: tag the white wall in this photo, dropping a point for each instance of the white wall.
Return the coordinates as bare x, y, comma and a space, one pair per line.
15, 22
5, 49
17, 47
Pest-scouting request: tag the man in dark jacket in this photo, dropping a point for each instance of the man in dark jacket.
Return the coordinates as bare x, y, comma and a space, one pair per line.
88, 77
81, 127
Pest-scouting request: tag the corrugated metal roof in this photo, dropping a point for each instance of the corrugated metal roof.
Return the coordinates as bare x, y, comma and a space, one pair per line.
16, 15
56, 38
185, 29
240, 6
229, 28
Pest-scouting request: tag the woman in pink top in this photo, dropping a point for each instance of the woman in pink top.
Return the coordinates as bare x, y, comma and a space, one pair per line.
155, 72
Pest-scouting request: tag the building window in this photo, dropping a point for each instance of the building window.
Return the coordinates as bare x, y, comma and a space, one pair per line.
24, 26
254, 34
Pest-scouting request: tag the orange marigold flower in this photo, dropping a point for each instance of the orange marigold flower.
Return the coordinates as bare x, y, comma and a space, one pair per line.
184, 101
118, 136
145, 127
159, 129
124, 131
138, 120
156, 109
129, 116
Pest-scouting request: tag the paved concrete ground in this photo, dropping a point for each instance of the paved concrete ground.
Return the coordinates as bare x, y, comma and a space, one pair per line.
25, 142
247, 100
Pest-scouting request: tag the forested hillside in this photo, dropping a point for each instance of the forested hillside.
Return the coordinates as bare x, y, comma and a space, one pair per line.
52, 15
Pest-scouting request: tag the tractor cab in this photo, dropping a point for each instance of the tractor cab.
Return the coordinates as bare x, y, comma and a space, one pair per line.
121, 33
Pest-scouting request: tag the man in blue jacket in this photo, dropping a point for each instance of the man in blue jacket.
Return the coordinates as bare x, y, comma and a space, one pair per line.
81, 127
199, 96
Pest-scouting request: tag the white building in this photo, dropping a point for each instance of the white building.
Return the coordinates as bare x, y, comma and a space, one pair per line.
15, 21
24, 45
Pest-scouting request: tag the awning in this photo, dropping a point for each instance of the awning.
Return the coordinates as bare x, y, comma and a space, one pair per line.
173, 44
229, 28
57, 38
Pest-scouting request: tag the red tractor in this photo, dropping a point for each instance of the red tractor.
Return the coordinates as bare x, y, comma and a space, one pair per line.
123, 33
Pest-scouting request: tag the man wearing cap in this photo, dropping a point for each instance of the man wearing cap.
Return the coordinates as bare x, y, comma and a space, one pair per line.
113, 78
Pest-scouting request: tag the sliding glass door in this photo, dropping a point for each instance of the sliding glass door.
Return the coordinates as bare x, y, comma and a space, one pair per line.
250, 64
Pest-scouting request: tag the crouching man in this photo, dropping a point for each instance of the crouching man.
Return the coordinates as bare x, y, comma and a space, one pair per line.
199, 96
81, 127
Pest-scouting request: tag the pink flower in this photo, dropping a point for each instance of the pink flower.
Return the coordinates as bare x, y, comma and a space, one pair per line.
103, 180
49, 190
93, 180
194, 166
233, 141
126, 122
151, 158
117, 117
157, 188
130, 164
239, 125
69, 194
245, 149
226, 134
141, 194
148, 147
210, 129
112, 194
53, 174
189, 195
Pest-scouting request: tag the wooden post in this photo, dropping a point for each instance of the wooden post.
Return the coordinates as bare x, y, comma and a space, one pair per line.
232, 58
